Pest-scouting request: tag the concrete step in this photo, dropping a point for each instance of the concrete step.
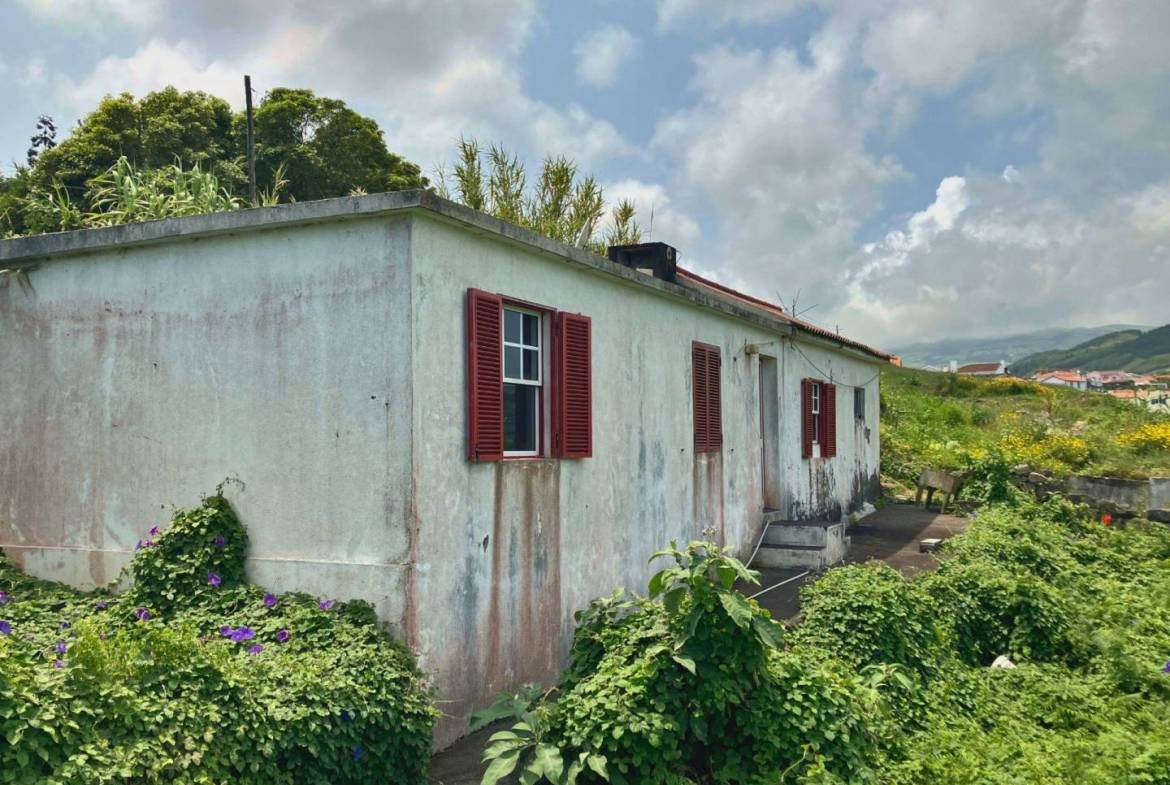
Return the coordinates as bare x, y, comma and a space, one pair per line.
804, 533
810, 545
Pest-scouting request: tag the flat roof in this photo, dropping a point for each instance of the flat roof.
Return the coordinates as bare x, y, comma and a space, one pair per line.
27, 252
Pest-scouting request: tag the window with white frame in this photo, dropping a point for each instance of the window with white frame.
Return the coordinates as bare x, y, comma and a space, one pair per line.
816, 412
523, 379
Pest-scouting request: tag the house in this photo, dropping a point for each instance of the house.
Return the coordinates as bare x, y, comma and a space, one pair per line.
474, 427
983, 369
1073, 379
1107, 379
1155, 399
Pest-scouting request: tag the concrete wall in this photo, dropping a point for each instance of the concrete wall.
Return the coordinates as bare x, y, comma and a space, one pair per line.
137, 379
323, 364
508, 551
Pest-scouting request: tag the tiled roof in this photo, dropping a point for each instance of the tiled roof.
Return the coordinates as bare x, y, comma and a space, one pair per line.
719, 290
979, 368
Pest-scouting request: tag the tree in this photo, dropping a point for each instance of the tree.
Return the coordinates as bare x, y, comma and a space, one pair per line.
327, 148
45, 138
162, 128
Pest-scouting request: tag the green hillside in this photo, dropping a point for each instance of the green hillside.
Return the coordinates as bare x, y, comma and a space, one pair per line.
948, 421
1124, 350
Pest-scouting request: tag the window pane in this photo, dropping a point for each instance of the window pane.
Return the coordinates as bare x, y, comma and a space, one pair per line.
512, 321
512, 362
520, 418
531, 330
532, 365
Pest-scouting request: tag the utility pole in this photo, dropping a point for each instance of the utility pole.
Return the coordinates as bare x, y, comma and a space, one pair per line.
251, 142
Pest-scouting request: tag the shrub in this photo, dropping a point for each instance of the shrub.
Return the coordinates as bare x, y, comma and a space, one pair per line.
869, 614
994, 612
179, 680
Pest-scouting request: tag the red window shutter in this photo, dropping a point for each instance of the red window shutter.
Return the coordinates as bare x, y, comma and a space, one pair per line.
714, 400
574, 391
829, 413
806, 396
699, 389
485, 376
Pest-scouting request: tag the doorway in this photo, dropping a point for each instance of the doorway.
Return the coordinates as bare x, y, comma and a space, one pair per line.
769, 433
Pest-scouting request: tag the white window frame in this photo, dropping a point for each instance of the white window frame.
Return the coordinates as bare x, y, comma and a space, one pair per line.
538, 383
816, 412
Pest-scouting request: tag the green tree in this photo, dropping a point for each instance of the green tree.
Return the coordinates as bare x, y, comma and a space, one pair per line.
160, 129
327, 149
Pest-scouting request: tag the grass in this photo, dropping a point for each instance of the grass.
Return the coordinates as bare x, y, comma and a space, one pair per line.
950, 421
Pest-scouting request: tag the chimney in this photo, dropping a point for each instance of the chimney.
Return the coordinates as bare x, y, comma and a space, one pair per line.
660, 259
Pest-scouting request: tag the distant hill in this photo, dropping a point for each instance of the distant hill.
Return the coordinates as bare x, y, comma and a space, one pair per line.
1123, 350
1008, 348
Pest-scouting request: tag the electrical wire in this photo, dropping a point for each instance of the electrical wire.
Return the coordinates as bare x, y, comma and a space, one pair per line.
829, 376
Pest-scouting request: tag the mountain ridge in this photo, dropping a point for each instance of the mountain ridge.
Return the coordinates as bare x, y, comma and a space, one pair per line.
1135, 351
1009, 348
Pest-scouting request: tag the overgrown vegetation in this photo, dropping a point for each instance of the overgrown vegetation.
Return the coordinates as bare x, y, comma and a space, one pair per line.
312, 146
885, 680
560, 204
961, 422
196, 676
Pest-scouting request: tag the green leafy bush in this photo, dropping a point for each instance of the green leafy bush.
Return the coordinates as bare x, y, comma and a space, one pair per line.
868, 614
196, 676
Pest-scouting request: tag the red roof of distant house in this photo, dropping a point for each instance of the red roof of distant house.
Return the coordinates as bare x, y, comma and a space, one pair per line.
980, 368
776, 311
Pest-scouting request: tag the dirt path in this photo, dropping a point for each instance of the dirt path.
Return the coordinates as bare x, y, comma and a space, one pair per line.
891, 535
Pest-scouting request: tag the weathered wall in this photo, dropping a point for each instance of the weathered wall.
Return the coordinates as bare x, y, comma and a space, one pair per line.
141, 378
506, 552
828, 489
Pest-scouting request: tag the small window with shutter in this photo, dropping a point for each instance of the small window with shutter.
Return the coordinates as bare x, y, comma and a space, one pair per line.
513, 380
819, 420
707, 397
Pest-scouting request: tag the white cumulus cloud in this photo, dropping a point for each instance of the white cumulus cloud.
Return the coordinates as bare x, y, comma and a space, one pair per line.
602, 53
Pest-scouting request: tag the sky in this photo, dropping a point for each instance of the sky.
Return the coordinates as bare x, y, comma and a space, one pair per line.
905, 170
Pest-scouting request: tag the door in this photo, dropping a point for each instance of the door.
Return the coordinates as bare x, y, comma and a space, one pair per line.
769, 433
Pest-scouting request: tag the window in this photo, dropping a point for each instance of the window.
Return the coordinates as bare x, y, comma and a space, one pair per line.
707, 397
859, 403
819, 421
523, 388
816, 412
529, 377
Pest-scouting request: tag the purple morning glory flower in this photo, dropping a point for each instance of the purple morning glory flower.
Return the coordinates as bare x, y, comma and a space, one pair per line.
282, 636
214, 579
3, 598
138, 546
148, 544
64, 625
226, 631
325, 604
100, 605
345, 715
357, 753
243, 634
58, 663
5, 627
270, 600
219, 541
61, 647
153, 531
1167, 668
142, 613
256, 649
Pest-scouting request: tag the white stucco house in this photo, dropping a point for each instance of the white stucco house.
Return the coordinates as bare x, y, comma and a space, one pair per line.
474, 427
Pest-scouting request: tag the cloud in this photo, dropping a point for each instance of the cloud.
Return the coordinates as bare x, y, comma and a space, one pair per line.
656, 214
154, 65
776, 147
1017, 258
674, 13
602, 53
90, 13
